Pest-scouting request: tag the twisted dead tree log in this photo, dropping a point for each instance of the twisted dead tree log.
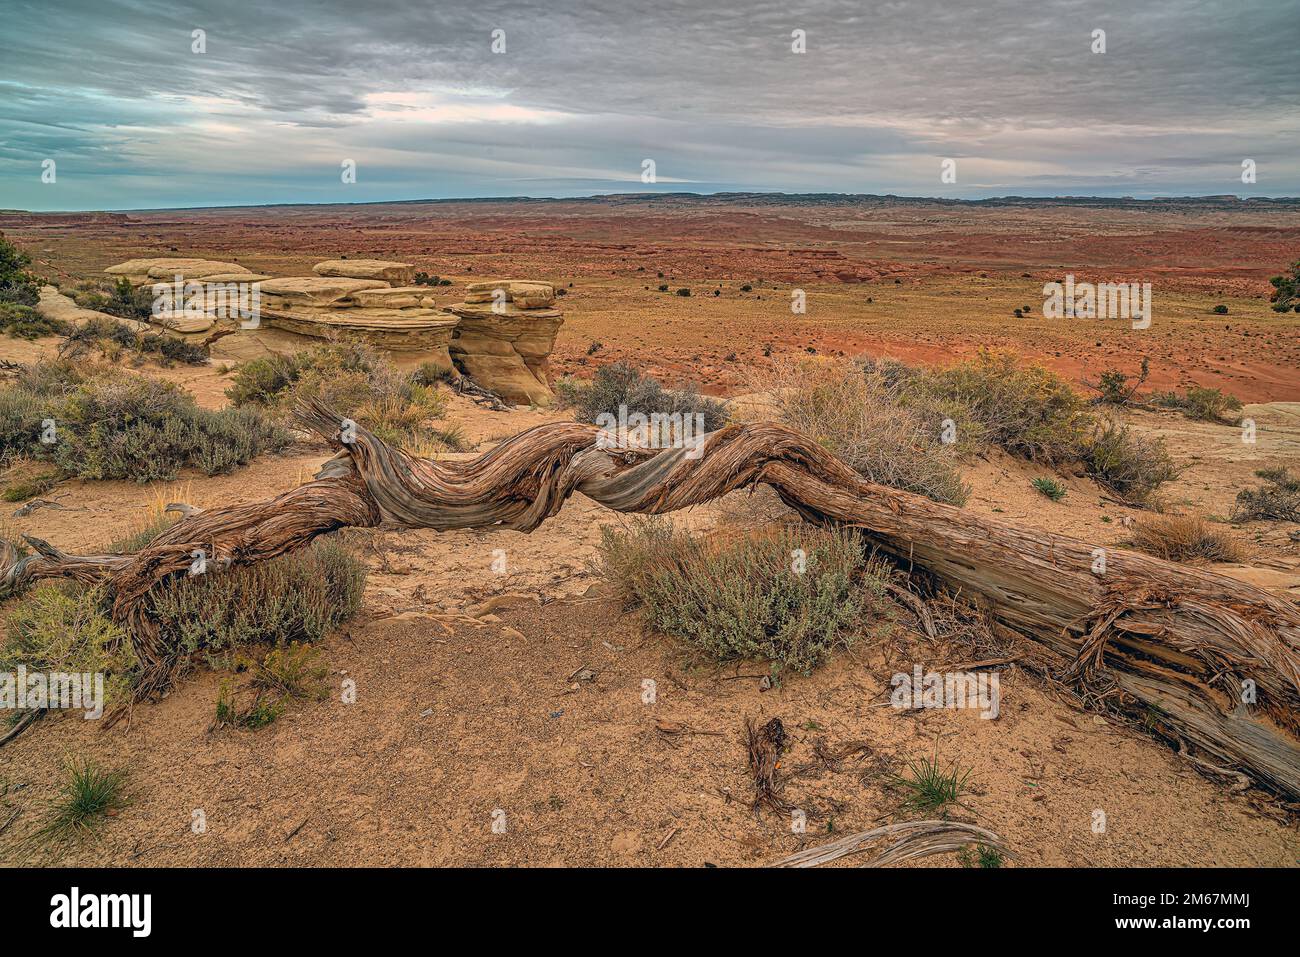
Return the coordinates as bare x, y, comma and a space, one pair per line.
1208, 661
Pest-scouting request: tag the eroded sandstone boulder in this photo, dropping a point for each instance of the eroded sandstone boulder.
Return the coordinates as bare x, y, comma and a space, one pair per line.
398, 274
505, 343
399, 319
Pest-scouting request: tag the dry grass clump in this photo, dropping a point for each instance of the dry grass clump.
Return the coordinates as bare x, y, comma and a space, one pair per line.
1025, 409
1185, 538
855, 412
357, 381
788, 597
905, 427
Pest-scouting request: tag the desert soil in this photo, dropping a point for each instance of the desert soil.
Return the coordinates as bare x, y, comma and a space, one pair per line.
467, 704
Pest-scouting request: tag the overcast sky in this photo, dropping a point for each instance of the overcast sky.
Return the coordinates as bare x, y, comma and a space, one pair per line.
414, 94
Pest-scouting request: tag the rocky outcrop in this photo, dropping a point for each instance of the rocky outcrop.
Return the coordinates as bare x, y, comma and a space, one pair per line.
400, 319
399, 274
55, 305
506, 333
143, 272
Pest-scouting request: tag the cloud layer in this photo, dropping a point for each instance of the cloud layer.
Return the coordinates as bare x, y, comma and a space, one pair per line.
584, 93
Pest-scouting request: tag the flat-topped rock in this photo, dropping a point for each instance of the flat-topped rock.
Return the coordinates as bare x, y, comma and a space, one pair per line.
523, 293
319, 290
185, 321
169, 267
396, 297
503, 311
398, 274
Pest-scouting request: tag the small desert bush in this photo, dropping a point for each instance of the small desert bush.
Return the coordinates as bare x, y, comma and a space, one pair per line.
1286, 289
354, 380
854, 412
1130, 465
293, 670
1184, 538
1025, 409
25, 479
113, 340
127, 426
1206, 405
65, 627
250, 708
619, 384
1050, 488
1278, 499
18, 285
298, 597
788, 597
24, 322
112, 424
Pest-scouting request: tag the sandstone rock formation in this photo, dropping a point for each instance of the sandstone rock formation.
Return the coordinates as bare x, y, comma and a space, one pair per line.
400, 319
506, 333
142, 272
399, 274
55, 305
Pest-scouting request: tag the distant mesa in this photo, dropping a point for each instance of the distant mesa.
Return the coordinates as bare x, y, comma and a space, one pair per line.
501, 335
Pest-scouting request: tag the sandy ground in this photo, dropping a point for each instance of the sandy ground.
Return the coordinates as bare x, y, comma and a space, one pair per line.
467, 704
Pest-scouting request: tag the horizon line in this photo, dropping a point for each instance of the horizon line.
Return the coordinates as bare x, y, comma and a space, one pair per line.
687, 194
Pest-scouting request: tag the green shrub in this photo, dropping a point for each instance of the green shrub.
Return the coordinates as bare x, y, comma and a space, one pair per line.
111, 337
298, 597
1220, 310
65, 627
24, 322
1206, 405
742, 598
1278, 499
1050, 487
354, 380
619, 384
18, 285
112, 424
683, 291
1130, 465
1286, 289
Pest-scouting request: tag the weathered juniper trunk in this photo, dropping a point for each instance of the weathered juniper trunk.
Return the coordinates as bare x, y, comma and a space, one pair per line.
1205, 660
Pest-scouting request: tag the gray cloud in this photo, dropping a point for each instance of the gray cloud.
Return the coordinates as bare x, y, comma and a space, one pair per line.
586, 91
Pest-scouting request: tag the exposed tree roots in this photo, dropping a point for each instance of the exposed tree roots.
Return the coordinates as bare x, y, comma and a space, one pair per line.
1200, 658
